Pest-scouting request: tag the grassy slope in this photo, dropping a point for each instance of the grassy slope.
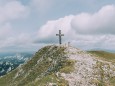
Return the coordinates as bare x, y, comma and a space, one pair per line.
104, 55
108, 57
34, 73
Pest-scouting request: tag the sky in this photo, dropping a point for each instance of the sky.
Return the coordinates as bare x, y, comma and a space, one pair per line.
28, 25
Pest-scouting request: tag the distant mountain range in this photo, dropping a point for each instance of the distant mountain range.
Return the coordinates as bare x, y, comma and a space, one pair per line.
10, 61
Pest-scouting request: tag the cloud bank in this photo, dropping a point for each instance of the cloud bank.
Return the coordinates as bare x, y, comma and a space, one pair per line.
85, 30
9, 11
100, 22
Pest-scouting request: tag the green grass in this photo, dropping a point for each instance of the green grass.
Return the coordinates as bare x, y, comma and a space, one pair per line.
45, 69
104, 55
101, 72
52, 59
112, 81
52, 78
107, 56
68, 66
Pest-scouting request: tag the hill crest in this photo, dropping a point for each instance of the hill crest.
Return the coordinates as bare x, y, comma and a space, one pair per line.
62, 66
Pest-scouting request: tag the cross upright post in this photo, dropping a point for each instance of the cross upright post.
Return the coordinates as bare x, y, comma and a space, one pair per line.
60, 37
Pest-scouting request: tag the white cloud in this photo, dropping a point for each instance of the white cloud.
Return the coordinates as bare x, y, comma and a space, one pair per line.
48, 31
94, 42
23, 40
12, 10
5, 30
99, 22
84, 30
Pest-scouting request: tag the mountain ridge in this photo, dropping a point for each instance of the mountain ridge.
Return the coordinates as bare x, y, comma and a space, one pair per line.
62, 66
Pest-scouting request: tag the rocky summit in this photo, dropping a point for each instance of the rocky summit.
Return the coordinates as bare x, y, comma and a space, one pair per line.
64, 66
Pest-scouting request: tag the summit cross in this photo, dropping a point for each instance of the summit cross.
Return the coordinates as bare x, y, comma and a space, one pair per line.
60, 36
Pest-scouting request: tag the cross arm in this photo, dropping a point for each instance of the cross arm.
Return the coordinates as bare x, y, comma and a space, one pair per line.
62, 34
57, 34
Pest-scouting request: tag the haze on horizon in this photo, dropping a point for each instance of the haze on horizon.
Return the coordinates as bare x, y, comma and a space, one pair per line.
27, 25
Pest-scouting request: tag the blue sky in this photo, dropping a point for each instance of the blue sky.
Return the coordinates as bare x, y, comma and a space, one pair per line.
27, 25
